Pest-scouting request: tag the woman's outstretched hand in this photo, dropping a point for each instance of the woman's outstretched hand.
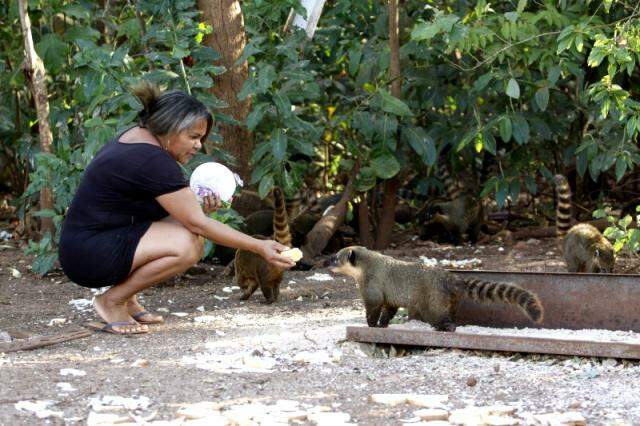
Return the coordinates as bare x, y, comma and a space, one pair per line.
270, 250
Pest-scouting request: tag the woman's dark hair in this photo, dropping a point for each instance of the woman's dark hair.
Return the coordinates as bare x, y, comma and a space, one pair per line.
169, 112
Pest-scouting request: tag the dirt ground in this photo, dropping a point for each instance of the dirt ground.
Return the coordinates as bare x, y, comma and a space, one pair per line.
269, 364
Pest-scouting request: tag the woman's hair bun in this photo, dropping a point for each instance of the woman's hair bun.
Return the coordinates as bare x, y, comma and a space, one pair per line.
147, 92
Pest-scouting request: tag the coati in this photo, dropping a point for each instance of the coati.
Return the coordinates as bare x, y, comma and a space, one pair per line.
585, 249
449, 220
252, 270
430, 295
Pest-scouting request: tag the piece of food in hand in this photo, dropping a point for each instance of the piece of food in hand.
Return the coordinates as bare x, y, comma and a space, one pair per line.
294, 254
214, 178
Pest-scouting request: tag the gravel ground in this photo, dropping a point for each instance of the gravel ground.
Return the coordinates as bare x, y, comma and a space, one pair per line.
222, 361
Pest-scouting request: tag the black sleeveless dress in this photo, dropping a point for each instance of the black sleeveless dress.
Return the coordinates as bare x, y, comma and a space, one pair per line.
113, 208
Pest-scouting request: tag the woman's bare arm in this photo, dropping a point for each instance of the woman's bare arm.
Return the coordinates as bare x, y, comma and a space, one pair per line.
184, 207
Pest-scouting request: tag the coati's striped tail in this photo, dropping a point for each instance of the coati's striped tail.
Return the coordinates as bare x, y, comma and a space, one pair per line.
450, 185
563, 211
484, 291
281, 232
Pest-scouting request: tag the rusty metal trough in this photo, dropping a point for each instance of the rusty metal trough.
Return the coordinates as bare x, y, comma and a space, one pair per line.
571, 301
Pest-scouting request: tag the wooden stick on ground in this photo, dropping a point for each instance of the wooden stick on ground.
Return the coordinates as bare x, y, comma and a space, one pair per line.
42, 341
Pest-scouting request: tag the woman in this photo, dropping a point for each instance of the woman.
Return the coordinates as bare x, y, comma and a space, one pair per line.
134, 221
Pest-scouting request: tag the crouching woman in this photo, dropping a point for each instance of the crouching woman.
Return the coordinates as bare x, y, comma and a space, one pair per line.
134, 221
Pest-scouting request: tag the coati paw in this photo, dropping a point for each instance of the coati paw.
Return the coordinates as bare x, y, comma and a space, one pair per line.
445, 327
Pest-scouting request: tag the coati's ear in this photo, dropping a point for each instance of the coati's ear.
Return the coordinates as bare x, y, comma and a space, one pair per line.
352, 257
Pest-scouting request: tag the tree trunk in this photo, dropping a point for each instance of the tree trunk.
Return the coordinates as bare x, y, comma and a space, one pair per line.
228, 39
364, 224
34, 69
388, 214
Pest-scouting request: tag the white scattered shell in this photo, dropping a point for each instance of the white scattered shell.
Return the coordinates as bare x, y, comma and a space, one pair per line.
65, 387
15, 273
72, 372
205, 319
140, 363
326, 419
200, 308
105, 419
227, 290
200, 410
220, 333
430, 414
320, 277
165, 310
220, 298
39, 408
180, 314
81, 304
57, 321
108, 401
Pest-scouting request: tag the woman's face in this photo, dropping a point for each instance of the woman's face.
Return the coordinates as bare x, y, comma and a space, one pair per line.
183, 145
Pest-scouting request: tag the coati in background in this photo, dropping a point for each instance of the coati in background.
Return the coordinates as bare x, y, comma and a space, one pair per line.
585, 249
251, 270
430, 295
450, 220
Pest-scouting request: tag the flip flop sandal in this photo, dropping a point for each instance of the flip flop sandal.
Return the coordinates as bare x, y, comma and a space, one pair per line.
139, 315
108, 328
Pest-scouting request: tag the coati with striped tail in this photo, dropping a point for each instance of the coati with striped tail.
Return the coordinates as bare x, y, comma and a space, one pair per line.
252, 270
430, 295
449, 221
585, 249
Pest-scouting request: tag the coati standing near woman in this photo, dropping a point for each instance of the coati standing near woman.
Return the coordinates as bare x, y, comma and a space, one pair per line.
585, 248
430, 295
252, 271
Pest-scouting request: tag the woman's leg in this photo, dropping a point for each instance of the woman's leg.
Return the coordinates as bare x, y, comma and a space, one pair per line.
165, 250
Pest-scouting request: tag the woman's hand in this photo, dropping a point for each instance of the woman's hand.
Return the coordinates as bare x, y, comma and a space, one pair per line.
211, 203
270, 250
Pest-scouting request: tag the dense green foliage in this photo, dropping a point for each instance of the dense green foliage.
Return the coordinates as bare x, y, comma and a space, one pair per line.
91, 57
519, 90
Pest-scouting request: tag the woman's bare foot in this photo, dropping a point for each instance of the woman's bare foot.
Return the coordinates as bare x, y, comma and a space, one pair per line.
137, 311
111, 311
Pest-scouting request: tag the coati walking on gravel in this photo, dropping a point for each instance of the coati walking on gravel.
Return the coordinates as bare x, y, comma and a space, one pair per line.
252, 270
585, 249
430, 295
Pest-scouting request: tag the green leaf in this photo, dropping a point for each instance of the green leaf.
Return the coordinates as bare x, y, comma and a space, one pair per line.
489, 142
366, 179
482, 82
542, 97
53, 52
393, 105
266, 184
425, 31
279, 144
505, 128
621, 168
265, 78
554, 74
446, 22
520, 129
522, 4
385, 166
259, 152
248, 88
421, 143
282, 103
355, 54
513, 89
254, 118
